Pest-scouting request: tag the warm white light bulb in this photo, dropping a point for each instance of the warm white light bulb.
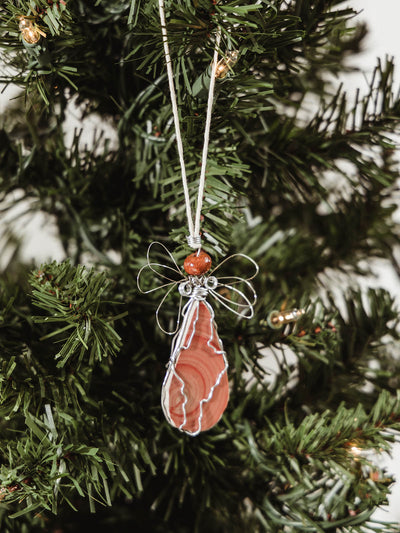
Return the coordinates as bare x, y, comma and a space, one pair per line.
355, 450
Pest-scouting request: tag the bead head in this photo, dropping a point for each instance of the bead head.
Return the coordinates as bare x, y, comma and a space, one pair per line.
197, 263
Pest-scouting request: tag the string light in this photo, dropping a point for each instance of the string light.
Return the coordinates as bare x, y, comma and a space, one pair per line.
226, 64
277, 319
30, 32
355, 450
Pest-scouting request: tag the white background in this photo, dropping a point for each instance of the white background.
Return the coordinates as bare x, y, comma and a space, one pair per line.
383, 18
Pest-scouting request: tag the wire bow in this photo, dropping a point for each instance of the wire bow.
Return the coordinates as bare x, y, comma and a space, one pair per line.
198, 287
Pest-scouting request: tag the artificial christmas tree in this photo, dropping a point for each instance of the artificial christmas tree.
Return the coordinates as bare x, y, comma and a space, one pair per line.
299, 177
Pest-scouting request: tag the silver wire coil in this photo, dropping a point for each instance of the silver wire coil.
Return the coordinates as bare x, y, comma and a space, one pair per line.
194, 241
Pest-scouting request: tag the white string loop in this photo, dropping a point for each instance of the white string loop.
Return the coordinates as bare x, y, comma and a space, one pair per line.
194, 239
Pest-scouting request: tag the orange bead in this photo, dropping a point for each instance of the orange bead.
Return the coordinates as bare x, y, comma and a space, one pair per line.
197, 263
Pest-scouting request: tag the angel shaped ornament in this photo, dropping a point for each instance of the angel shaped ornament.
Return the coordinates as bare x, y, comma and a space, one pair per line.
195, 390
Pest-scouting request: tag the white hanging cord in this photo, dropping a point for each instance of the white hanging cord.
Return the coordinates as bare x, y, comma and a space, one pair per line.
176, 115
194, 239
202, 180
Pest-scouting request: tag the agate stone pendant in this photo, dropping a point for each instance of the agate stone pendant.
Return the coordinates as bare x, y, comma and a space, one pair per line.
195, 390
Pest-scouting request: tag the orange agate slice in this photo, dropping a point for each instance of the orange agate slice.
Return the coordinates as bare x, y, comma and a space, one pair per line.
195, 391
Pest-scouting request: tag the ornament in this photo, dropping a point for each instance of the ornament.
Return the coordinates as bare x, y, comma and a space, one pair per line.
225, 65
195, 390
30, 32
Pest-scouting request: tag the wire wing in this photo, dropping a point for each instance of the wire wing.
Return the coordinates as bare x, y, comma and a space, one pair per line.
236, 293
166, 274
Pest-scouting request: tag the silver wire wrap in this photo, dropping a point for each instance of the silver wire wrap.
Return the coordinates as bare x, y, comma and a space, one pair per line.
196, 288
177, 347
199, 287
194, 241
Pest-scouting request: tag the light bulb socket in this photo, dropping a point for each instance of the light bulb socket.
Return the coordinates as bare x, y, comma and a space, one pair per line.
277, 319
